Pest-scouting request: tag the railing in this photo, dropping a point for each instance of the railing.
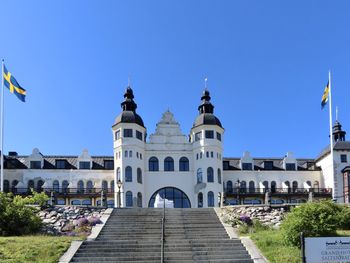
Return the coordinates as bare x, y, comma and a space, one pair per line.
247, 191
62, 191
162, 235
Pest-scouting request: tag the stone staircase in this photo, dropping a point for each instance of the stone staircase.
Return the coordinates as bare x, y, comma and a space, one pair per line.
134, 235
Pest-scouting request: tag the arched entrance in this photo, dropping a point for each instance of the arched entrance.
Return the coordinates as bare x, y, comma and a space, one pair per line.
171, 193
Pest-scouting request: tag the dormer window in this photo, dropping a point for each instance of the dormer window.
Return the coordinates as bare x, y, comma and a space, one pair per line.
247, 166
84, 165
35, 164
290, 166
268, 165
109, 164
61, 164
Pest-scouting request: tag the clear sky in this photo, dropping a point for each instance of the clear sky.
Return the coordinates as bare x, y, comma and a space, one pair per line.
267, 64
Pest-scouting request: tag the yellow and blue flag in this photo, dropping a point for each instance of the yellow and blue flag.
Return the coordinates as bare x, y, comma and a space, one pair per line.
11, 83
325, 96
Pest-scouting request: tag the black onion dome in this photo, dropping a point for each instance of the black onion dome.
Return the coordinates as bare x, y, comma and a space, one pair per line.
206, 112
129, 115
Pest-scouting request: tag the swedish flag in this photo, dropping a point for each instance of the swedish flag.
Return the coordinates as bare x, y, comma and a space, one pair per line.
11, 83
325, 96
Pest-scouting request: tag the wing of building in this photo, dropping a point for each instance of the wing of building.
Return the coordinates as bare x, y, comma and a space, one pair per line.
189, 170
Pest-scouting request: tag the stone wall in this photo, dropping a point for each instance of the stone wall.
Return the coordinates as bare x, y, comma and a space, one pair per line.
65, 220
265, 214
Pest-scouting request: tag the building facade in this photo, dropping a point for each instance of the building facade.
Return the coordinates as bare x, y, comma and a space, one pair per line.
189, 170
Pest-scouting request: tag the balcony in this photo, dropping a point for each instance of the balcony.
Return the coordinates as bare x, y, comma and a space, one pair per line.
326, 192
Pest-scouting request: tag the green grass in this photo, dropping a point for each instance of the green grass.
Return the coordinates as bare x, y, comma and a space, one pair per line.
271, 245
33, 249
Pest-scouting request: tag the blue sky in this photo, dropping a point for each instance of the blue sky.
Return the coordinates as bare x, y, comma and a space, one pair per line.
267, 64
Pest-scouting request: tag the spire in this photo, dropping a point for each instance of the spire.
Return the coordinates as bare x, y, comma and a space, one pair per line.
338, 133
128, 104
206, 106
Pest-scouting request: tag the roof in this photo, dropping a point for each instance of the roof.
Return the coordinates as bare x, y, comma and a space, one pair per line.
129, 117
277, 164
338, 146
207, 119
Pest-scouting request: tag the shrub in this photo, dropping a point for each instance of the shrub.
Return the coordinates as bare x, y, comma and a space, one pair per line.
314, 219
16, 218
94, 221
344, 218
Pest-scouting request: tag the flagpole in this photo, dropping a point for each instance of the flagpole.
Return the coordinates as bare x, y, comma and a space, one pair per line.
334, 192
2, 130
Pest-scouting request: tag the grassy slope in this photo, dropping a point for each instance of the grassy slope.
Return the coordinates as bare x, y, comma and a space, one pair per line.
33, 249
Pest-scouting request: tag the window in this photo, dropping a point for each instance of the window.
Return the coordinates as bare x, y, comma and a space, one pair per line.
89, 186
210, 199
229, 188
201, 155
243, 187
212, 154
273, 187
198, 136
86, 202
310, 165
6, 186
141, 156
251, 187
39, 186
218, 136
80, 186
139, 199
30, 185
184, 164
139, 175
61, 164
210, 175
266, 186
209, 134
153, 164
65, 185
247, 166
200, 200
126, 153
56, 186
268, 165
35, 164
207, 154
127, 132
343, 158
112, 186
128, 174
118, 174
294, 186
84, 165
197, 155
169, 164
128, 197
108, 164
130, 154
104, 185
290, 166
13, 186
139, 135
199, 176
226, 165
117, 135
137, 155
219, 176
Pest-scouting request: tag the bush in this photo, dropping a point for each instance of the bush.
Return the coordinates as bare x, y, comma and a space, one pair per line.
344, 218
16, 218
314, 219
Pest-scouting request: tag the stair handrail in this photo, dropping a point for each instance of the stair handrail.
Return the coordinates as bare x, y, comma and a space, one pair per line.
163, 235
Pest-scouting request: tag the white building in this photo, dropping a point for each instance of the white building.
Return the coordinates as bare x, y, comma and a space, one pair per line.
189, 170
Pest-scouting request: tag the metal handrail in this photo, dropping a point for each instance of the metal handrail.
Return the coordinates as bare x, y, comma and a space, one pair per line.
162, 238
289, 190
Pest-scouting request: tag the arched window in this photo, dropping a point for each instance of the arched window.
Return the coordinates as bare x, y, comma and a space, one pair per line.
89, 186
128, 174
139, 199
13, 186
80, 186
316, 186
130, 153
112, 186
153, 164
139, 175
56, 186
229, 187
287, 183
65, 186
104, 185
200, 200
179, 198
184, 164
243, 187
266, 186
219, 176
126, 154
251, 187
128, 197
210, 199
39, 186
30, 185
168, 164
199, 176
118, 173
294, 186
308, 183
210, 175
273, 187
6, 186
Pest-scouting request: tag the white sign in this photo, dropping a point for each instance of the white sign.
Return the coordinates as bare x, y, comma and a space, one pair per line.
327, 249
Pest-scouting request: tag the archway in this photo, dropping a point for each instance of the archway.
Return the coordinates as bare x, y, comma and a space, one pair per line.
180, 199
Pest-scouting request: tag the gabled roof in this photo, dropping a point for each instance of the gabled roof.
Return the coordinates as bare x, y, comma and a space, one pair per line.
338, 146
